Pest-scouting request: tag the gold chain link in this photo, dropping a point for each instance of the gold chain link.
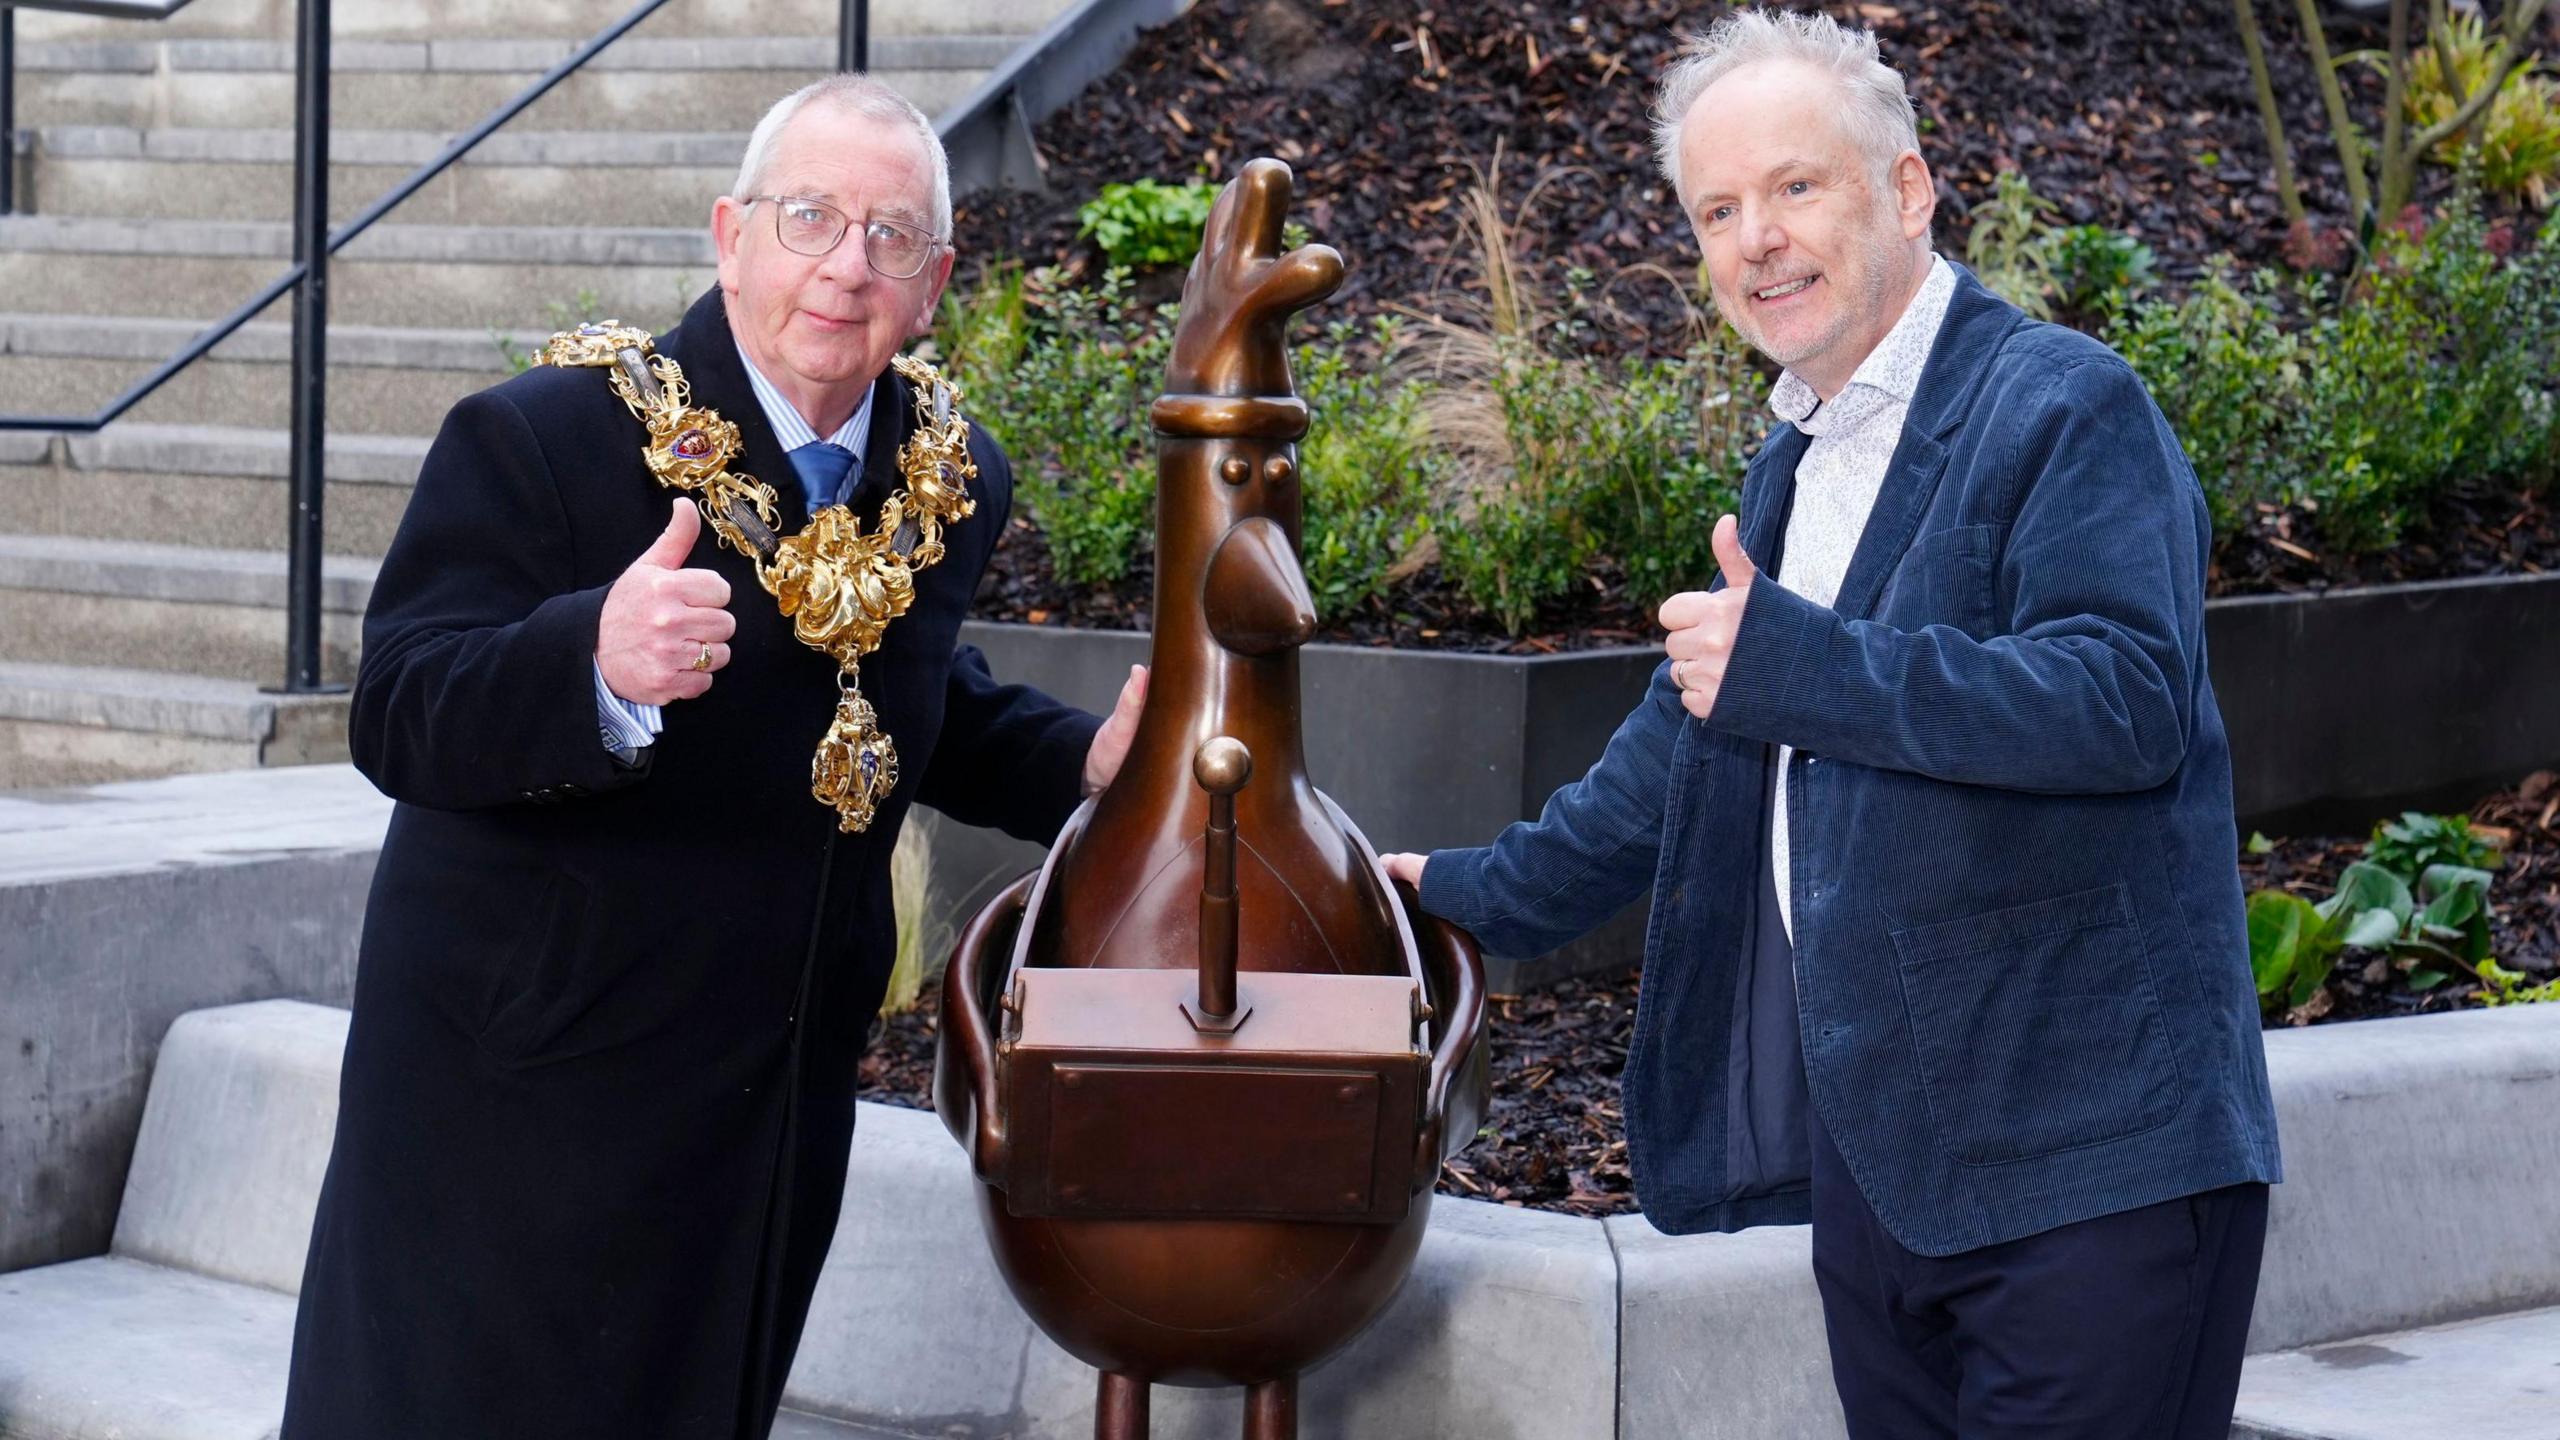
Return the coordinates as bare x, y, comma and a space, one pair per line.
838, 583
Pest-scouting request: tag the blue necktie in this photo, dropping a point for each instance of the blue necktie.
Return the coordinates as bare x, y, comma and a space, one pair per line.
822, 468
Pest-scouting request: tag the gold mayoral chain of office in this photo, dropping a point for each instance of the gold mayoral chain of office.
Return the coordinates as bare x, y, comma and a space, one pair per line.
839, 585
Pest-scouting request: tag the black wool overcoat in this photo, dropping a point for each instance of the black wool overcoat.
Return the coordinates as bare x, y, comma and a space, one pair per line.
599, 1083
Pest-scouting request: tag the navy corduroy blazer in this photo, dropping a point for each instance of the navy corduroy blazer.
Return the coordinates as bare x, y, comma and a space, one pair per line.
2022, 984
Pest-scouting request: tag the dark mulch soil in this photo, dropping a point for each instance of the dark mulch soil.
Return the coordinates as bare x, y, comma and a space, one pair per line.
1554, 1138
2476, 530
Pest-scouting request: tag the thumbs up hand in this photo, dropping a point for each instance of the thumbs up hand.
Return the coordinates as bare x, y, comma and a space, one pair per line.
1703, 624
665, 629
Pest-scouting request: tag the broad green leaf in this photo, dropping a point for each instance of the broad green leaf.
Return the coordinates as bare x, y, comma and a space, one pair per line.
2373, 929
2448, 879
2277, 925
2425, 979
2309, 974
2450, 910
2367, 886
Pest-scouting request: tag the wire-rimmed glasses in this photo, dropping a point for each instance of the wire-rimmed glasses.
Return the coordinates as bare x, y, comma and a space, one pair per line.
894, 249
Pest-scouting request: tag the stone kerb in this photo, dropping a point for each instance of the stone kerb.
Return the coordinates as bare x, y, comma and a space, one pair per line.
2422, 1159
1720, 1336
1506, 1329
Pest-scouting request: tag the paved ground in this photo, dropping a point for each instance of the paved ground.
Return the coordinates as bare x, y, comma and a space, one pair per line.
2493, 1379
192, 820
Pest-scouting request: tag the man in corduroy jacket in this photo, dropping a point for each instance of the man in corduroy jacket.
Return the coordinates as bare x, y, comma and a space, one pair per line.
1947, 954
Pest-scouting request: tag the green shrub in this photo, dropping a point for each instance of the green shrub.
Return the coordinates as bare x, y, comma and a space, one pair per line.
2009, 248
2227, 374
1627, 462
1148, 222
1554, 463
1063, 376
2048, 271
980, 331
2428, 372
2420, 895
2415, 841
2361, 404
1366, 486
2095, 269
1511, 457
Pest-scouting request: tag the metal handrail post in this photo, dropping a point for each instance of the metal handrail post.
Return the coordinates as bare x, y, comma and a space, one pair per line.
853, 36
8, 110
310, 348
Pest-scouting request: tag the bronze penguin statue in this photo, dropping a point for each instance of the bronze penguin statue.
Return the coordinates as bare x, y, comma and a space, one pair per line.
1208, 1059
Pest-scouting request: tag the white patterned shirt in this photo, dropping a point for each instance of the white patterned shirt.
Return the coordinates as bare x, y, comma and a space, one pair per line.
1854, 435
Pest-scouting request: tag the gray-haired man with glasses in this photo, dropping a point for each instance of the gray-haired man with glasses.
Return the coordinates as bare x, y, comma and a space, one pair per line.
619, 964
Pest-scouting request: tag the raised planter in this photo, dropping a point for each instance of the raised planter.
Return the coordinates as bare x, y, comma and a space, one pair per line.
2352, 705
2341, 707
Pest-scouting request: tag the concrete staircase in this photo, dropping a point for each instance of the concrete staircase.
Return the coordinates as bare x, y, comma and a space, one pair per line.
142, 568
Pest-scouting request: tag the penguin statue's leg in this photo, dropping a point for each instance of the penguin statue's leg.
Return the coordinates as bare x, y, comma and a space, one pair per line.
1271, 1410
1120, 1410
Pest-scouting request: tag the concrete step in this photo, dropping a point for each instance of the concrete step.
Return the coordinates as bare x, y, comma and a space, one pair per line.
272, 241
662, 179
2492, 1379
165, 610
362, 20
382, 381
643, 82
200, 485
435, 276
85, 725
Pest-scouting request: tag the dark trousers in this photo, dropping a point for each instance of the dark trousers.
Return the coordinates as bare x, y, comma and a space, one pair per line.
2125, 1327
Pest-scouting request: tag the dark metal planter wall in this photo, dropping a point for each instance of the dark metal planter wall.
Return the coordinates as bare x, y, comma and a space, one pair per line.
2341, 708
2350, 706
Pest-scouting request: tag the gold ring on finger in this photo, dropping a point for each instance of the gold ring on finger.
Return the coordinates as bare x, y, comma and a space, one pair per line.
703, 660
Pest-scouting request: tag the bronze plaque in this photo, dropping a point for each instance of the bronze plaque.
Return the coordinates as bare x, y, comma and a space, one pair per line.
1212, 1139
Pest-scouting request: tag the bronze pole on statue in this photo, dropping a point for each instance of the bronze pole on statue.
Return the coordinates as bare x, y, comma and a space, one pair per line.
1222, 766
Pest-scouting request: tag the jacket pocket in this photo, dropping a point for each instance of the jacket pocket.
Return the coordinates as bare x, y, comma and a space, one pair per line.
2038, 1029
1944, 579
535, 988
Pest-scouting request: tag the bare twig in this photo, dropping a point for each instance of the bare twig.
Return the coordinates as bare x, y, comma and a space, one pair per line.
2342, 125
2288, 189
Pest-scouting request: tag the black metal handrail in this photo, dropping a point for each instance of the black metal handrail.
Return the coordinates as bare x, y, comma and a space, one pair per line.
8, 110
308, 276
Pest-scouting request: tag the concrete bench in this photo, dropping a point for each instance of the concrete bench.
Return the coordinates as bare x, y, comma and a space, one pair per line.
181, 1331
2407, 1283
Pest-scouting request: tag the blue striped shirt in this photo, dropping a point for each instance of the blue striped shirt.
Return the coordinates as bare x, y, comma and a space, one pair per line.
628, 726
